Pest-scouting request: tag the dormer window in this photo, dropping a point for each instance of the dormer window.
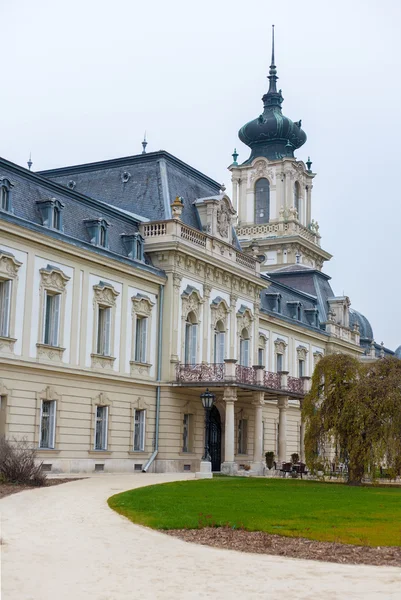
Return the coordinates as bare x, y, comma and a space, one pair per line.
97, 229
295, 308
134, 245
274, 301
5, 195
50, 212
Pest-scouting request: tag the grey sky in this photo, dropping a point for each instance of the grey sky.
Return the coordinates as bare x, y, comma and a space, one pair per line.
82, 80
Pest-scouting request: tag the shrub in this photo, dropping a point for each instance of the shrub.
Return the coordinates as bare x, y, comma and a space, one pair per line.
17, 463
269, 456
295, 457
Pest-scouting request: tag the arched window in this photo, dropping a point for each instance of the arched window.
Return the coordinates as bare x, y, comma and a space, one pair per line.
244, 348
191, 339
5, 194
262, 201
219, 342
297, 199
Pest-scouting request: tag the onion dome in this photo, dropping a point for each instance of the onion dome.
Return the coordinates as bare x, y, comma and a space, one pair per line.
272, 135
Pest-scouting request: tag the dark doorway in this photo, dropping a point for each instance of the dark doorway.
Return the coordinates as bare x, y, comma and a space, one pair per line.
215, 439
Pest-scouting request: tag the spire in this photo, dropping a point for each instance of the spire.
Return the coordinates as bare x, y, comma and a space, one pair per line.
144, 143
272, 71
30, 163
235, 156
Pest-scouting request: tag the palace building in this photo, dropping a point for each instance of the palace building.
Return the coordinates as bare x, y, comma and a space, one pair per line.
129, 286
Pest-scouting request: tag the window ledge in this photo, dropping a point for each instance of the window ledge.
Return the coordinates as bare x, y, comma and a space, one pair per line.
188, 454
100, 452
47, 451
137, 452
102, 361
49, 352
7, 344
139, 369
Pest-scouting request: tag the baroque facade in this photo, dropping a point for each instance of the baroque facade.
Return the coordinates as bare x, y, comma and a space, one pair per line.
129, 286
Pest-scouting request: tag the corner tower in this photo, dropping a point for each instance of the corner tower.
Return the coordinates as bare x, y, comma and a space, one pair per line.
272, 190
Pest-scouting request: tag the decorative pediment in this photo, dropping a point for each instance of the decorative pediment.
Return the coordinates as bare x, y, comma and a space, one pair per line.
49, 393
142, 305
220, 310
316, 357
191, 301
53, 278
244, 318
9, 265
302, 352
263, 339
102, 399
259, 170
280, 346
105, 293
139, 404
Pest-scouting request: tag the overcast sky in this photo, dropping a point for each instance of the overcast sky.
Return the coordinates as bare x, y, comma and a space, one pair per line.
82, 80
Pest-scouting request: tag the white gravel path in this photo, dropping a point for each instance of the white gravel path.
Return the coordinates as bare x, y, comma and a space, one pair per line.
64, 542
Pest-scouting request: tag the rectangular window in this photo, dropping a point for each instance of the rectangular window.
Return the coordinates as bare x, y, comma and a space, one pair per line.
4, 198
242, 436
51, 321
261, 357
5, 307
56, 218
219, 346
301, 368
102, 236
244, 353
103, 331
141, 333
139, 430
187, 433
102, 417
191, 337
279, 363
47, 424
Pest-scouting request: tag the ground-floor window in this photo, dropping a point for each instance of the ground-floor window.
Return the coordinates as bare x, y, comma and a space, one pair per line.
47, 424
102, 417
187, 433
139, 430
242, 436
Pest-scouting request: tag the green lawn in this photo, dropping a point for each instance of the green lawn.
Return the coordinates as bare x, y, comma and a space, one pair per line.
328, 512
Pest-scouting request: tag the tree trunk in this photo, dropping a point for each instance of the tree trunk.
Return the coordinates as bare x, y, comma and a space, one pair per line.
355, 474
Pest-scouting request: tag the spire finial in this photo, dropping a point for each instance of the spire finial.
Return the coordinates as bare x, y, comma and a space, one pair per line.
235, 156
30, 163
272, 46
144, 143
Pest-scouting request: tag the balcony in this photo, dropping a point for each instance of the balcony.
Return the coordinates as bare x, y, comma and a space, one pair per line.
230, 373
159, 233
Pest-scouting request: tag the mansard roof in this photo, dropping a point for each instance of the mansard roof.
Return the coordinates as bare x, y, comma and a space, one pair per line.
145, 184
30, 189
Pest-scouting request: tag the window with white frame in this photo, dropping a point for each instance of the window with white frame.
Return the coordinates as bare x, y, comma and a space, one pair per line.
51, 319
219, 343
5, 307
103, 330
101, 424
139, 430
244, 348
47, 424
191, 339
261, 357
242, 436
141, 335
279, 362
187, 433
301, 368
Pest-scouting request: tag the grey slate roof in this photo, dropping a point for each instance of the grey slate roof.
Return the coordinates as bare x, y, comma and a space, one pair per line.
29, 188
145, 184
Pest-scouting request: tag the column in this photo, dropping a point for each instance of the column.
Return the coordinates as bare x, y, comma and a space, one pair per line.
233, 303
258, 403
229, 466
176, 305
235, 193
256, 332
282, 429
206, 319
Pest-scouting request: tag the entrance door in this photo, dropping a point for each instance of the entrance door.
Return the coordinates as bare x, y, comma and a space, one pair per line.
215, 439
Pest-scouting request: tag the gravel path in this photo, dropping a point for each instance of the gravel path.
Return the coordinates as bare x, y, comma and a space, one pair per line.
63, 542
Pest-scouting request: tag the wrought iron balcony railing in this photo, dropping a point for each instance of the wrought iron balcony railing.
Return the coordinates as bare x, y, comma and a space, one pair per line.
232, 373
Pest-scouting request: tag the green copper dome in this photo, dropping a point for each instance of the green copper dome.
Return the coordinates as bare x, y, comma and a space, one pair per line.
272, 135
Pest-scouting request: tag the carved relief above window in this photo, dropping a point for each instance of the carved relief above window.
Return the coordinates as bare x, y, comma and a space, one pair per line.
245, 319
220, 310
191, 302
280, 346
9, 266
259, 170
302, 353
142, 305
52, 292
316, 357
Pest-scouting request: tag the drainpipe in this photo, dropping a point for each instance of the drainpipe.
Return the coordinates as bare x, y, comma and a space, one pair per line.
158, 378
